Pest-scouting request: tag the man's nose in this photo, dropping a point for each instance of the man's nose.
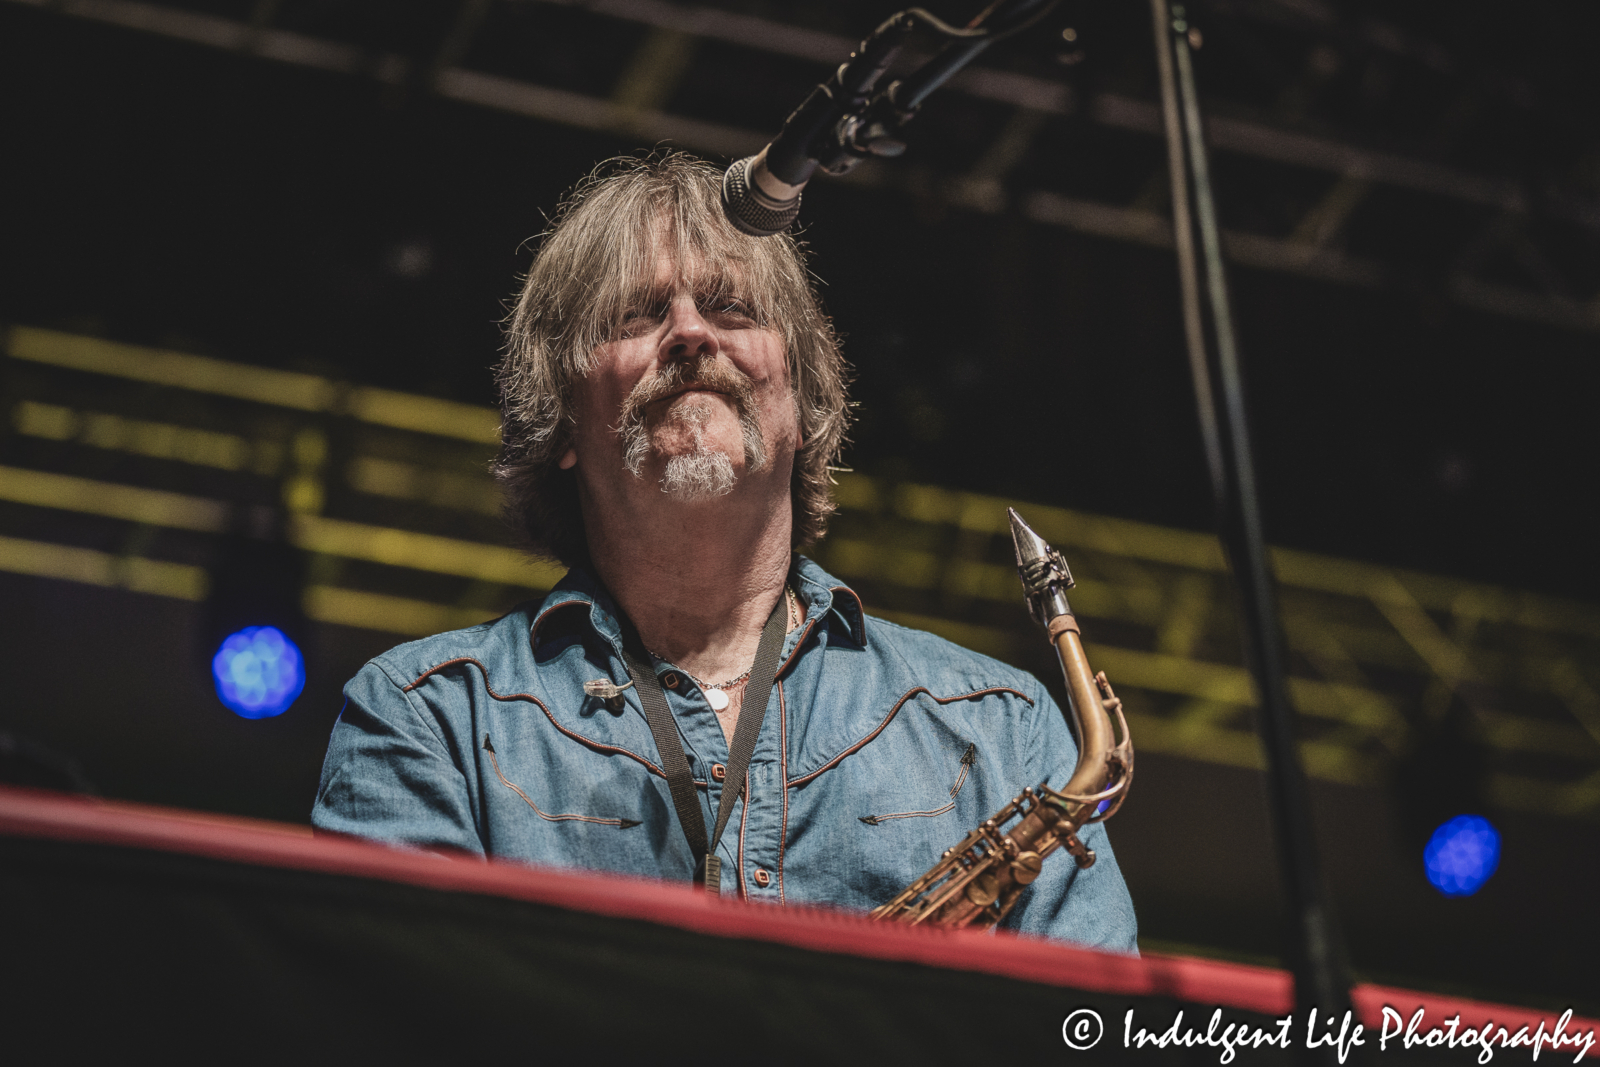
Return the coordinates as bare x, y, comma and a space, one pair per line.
689, 335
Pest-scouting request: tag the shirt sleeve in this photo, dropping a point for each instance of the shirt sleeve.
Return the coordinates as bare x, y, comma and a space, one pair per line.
1090, 907
388, 774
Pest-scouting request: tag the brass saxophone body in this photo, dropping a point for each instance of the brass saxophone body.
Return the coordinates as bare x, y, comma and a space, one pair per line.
978, 882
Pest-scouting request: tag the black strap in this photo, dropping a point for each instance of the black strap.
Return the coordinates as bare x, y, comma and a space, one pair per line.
675, 763
757, 691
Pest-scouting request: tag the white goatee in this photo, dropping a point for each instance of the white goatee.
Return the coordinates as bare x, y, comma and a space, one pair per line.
700, 474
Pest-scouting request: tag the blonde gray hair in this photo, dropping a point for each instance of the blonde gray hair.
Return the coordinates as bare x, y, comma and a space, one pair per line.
596, 260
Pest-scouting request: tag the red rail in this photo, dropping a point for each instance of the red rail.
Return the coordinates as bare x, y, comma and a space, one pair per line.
41, 814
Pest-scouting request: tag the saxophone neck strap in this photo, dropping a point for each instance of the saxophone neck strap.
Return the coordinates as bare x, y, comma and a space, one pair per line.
674, 761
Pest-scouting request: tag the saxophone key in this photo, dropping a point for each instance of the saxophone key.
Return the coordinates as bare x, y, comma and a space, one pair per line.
1025, 868
984, 889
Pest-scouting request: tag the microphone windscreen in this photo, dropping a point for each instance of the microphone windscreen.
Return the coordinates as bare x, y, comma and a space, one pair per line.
749, 208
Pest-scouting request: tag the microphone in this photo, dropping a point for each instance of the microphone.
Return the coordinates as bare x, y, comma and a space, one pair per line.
761, 193
842, 122
757, 201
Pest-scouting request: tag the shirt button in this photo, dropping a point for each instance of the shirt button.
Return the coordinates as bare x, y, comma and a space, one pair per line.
670, 679
762, 878
719, 772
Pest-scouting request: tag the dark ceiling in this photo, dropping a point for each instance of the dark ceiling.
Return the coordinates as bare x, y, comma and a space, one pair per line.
1412, 193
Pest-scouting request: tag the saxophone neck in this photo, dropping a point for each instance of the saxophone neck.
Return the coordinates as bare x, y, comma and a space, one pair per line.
982, 878
1104, 757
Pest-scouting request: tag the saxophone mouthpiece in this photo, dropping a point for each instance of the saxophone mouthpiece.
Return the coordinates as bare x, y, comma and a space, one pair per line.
1044, 574
1030, 546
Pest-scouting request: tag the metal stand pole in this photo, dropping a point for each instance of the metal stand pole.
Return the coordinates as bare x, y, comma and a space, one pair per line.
1315, 953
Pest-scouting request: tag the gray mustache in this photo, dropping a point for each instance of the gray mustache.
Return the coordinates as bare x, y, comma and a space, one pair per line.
675, 378
678, 377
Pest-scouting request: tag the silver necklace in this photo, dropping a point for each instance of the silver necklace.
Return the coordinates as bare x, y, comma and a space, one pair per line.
715, 692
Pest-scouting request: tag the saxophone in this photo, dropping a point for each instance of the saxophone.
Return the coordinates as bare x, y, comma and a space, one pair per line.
978, 882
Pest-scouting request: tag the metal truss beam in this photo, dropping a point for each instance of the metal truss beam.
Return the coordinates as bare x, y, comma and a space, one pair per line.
976, 193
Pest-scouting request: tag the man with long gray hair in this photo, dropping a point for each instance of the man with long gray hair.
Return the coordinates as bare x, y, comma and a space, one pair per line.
673, 400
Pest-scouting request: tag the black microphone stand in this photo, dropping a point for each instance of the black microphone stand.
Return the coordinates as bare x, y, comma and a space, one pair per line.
1315, 952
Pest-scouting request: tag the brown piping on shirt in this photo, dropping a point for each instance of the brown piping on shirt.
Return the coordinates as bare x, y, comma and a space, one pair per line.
798, 645
588, 742
621, 824
876, 730
744, 817
533, 630
858, 631
783, 776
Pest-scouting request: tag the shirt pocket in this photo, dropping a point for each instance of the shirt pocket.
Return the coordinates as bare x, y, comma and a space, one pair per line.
968, 759
555, 801
618, 821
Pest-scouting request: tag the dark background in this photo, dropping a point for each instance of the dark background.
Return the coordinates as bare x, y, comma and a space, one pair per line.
163, 193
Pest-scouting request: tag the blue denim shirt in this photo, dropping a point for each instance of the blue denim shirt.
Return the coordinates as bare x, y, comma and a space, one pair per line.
881, 747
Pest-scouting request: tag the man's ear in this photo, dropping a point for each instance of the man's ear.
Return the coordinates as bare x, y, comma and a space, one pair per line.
569, 459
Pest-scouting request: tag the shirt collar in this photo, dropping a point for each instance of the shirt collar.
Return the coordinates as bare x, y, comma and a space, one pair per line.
579, 589
821, 593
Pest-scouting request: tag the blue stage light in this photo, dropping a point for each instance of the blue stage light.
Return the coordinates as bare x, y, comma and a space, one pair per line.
1461, 855
258, 672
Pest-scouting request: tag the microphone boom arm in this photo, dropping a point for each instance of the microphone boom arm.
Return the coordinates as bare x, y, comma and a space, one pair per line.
843, 120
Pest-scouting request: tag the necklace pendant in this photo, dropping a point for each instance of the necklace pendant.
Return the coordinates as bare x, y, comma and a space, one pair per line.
717, 699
